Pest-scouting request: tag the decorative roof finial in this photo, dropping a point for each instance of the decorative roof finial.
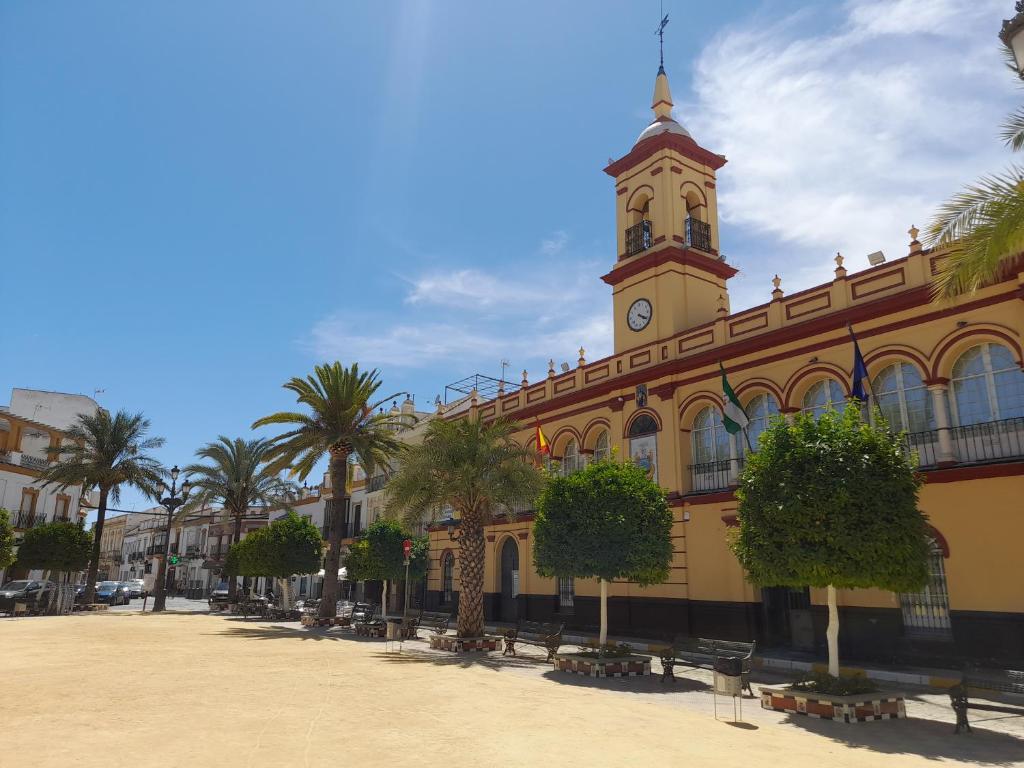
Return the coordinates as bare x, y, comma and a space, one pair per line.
840, 269
525, 382
582, 361
551, 367
777, 290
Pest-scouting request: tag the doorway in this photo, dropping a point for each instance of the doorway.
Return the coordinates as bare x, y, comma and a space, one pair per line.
788, 620
509, 580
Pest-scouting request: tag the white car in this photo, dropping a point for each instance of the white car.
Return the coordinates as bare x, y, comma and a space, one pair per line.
136, 587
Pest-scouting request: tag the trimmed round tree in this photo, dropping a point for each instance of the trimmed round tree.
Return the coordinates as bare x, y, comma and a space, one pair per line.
609, 521
290, 545
379, 555
831, 503
6, 539
58, 546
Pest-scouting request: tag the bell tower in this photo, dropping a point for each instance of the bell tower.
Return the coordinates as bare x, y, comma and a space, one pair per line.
668, 273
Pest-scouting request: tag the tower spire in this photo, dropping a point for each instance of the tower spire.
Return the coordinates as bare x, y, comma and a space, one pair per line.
660, 32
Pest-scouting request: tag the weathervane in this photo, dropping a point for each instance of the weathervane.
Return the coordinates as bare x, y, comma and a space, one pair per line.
660, 32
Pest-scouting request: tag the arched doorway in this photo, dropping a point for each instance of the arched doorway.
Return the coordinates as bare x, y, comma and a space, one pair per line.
509, 580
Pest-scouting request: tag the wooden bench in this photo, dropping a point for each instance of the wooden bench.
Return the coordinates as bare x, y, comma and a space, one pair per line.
541, 634
701, 652
436, 621
1007, 681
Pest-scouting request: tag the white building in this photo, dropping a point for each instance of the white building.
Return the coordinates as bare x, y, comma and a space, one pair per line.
32, 423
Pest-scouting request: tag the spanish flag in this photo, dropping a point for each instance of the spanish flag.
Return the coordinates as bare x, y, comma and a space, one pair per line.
542, 442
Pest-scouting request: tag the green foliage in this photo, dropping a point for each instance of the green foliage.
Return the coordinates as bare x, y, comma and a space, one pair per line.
831, 501
56, 546
608, 651
6, 539
984, 223
476, 467
344, 418
106, 451
237, 477
289, 545
233, 561
378, 554
608, 521
844, 685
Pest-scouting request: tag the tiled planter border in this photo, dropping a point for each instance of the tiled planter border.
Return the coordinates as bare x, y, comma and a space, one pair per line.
858, 708
324, 621
629, 666
464, 644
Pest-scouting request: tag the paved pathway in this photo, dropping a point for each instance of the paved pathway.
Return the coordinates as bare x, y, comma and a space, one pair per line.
124, 688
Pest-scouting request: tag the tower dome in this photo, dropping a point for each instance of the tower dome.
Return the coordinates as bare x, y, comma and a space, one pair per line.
662, 106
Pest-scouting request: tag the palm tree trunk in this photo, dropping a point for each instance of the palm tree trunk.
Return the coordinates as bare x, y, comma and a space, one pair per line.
471, 580
97, 534
339, 474
236, 536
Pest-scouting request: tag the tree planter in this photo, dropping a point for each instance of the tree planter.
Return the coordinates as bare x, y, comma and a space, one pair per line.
857, 708
623, 666
324, 621
464, 644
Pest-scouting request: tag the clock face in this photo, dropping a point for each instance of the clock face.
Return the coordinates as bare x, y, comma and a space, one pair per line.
640, 314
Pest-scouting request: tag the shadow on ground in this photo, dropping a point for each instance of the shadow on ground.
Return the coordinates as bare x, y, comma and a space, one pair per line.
649, 684
930, 739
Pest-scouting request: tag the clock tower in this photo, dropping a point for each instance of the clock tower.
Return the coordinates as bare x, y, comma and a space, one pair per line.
668, 274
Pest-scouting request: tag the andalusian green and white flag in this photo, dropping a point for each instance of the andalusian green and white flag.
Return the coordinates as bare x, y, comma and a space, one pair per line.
734, 418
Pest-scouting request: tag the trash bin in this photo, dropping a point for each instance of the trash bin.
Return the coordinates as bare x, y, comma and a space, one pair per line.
729, 665
394, 629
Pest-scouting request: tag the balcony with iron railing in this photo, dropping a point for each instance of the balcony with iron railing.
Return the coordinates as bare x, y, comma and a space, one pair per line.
698, 234
639, 237
28, 520
714, 476
376, 483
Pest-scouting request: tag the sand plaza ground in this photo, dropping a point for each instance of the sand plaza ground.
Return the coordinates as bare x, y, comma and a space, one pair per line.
199, 690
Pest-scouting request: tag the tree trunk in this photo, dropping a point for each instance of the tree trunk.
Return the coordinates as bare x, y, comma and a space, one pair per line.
160, 591
471, 580
97, 534
339, 474
384, 600
832, 633
236, 536
602, 640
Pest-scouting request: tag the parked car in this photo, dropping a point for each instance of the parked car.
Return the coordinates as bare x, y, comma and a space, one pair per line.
33, 591
219, 593
136, 587
113, 592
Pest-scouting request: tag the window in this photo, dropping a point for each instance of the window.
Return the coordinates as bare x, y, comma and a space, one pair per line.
926, 613
571, 458
643, 444
601, 449
447, 578
63, 506
987, 385
357, 515
566, 592
710, 440
822, 396
903, 399
759, 411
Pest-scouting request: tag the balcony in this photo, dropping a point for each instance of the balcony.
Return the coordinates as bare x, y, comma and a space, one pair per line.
714, 476
376, 483
33, 462
192, 550
174, 548
638, 238
156, 549
990, 441
698, 234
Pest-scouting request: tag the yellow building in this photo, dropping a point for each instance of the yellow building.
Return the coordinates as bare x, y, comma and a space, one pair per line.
949, 374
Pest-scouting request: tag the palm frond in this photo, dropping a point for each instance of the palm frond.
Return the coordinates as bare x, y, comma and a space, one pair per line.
1013, 130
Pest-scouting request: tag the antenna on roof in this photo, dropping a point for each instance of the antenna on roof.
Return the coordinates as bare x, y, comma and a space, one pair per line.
660, 32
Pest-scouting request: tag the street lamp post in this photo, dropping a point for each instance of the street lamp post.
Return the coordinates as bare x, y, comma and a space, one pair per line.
1012, 35
173, 499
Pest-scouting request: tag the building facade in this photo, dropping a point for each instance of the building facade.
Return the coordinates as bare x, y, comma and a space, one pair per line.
948, 374
33, 423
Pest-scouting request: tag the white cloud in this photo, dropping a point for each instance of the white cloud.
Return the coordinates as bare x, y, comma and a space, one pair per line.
555, 244
839, 140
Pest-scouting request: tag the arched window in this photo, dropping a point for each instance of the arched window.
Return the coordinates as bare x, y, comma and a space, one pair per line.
601, 448
988, 385
447, 578
926, 613
571, 458
643, 444
710, 440
903, 399
760, 411
822, 396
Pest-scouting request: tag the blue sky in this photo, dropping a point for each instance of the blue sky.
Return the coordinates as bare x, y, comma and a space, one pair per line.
199, 201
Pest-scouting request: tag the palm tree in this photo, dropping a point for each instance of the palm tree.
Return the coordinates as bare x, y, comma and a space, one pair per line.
343, 423
107, 453
475, 467
237, 477
984, 223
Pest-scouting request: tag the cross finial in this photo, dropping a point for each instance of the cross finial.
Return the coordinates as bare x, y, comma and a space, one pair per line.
660, 32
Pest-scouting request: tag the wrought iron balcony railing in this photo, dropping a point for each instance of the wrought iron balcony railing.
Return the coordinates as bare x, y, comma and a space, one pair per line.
926, 446
376, 483
33, 462
989, 441
638, 237
26, 520
711, 476
698, 234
